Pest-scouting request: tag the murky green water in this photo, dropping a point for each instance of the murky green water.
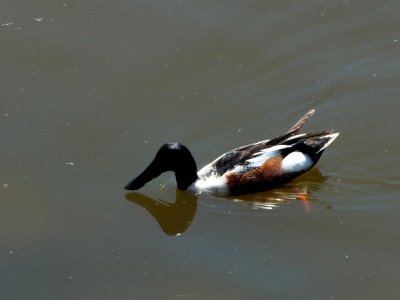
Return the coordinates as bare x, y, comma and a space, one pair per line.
91, 89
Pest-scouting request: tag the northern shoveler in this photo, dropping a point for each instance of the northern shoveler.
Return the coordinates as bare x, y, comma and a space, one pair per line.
247, 169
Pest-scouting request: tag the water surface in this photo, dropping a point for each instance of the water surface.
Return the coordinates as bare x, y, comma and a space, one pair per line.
91, 89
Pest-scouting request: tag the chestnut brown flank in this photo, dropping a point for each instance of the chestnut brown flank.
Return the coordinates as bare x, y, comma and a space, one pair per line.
267, 171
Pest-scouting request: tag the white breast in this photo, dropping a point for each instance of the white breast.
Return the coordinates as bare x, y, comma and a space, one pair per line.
213, 184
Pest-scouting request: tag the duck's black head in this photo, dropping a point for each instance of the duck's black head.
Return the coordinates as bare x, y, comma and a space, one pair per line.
170, 157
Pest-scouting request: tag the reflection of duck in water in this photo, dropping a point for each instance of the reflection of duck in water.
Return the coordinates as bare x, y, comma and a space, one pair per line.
247, 169
173, 218
299, 190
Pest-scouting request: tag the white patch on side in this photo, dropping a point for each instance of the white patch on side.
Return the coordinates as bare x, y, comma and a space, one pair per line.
296, 162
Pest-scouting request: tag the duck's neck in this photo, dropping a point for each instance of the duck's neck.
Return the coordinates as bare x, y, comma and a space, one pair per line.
171, 157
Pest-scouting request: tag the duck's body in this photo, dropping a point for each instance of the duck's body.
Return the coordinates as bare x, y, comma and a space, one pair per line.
247, 169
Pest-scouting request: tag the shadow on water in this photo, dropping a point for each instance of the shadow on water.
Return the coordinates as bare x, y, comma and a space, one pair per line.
175, 218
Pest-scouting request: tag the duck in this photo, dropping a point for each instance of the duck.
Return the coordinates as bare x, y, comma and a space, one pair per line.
247, 169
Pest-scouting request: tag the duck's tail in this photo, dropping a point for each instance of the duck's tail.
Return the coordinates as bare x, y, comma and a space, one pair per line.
293, 131
296, 128
322, 140
316, 142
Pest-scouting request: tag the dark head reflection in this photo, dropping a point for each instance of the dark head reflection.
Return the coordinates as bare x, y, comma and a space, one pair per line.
174, 218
